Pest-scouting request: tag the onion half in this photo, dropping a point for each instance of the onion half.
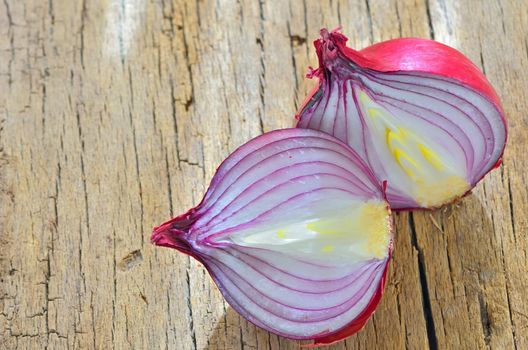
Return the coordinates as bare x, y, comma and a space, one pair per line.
422, 116
295, 230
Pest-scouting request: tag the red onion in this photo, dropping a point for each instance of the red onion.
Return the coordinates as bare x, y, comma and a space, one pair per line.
418, 112
296, 233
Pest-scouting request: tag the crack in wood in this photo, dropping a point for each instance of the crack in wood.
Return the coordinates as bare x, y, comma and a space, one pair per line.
429, 19
369, 16
295, 40
484, 319
426, 300
262, 77
189, 306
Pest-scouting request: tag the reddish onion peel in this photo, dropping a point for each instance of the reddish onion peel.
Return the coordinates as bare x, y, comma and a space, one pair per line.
296, 233
419, 112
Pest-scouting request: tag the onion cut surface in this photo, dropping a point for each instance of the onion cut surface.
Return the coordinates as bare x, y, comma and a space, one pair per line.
422, 116
295, 230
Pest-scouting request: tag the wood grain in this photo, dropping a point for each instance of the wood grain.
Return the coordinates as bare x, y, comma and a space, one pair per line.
115, 114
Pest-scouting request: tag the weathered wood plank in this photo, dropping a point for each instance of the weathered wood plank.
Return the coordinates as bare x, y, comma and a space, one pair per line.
115, 114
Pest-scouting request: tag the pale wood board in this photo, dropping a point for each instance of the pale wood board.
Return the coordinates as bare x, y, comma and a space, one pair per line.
115, 114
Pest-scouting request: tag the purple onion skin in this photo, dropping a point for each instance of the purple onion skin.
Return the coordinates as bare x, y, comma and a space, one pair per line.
196, 232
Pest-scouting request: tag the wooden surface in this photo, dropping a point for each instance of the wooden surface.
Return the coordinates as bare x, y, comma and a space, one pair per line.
115, 114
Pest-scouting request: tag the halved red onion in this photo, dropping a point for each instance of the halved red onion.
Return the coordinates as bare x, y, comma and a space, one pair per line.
295, 231
419, 112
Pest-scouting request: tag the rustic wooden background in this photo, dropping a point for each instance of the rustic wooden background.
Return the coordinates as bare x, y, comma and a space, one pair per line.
115, 114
